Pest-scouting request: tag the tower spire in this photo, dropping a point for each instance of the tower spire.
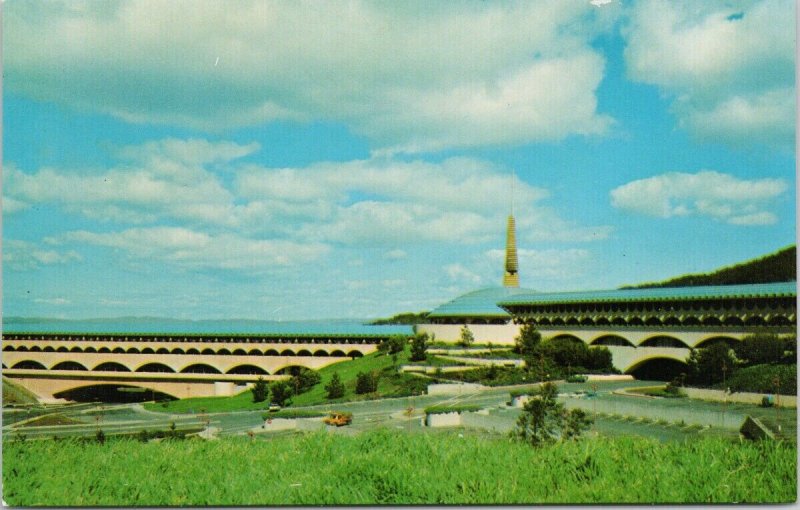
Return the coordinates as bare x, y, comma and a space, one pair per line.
511, 275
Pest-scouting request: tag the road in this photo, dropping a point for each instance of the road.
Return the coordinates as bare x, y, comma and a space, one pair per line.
664, 419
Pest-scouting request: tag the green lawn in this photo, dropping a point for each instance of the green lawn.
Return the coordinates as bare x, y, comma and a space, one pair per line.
391, 467
390, 384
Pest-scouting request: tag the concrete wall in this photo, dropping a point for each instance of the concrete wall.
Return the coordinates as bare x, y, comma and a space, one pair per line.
497, 334
443, 420
744, 398
453, 389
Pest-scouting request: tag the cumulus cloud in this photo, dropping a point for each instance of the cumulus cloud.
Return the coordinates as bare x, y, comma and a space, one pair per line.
25, 255
187, 248
410, 75
708, 193
729, 67
540, 267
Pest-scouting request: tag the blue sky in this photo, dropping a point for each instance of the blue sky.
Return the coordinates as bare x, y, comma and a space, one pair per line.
287, 160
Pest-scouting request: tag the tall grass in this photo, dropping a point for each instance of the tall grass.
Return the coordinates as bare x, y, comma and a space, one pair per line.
386, 467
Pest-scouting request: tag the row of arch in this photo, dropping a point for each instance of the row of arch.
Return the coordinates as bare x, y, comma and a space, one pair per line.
173, 339
654, 341
112, 366
752, 320
177, 350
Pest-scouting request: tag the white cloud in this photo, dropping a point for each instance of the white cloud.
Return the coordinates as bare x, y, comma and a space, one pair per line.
52, 301
190, 249
415, 76
168, 178
541, 267
25, 255
708, 193
459, 273
730, 67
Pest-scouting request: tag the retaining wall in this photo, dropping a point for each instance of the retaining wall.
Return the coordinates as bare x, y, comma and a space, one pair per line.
741, 397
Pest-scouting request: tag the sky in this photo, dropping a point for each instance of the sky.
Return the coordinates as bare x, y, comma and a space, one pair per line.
349, 159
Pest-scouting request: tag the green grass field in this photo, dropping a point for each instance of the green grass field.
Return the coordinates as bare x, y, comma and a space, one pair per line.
387, 467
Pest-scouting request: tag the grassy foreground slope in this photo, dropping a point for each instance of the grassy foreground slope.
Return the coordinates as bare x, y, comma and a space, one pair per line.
386, 467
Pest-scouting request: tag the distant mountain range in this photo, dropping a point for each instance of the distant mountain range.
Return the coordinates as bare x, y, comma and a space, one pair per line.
780, 266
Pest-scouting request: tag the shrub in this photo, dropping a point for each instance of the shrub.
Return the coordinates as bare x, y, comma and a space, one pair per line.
335, 388
443, 409
762, 379
577, 378
419, 346
305, 379
281, 392
393, 345
467, 338
761, 348
710, 365
528, 342
544, 420
260, 390
366, 383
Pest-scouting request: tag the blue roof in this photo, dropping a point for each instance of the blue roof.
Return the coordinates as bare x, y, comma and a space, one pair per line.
782, 289
479, 303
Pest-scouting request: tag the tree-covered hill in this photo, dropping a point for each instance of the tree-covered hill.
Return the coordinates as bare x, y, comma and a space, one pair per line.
775, 267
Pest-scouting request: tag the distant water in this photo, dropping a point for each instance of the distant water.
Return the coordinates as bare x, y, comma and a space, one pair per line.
139, 325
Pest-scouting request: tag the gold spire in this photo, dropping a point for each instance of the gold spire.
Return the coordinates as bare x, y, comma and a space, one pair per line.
511, 276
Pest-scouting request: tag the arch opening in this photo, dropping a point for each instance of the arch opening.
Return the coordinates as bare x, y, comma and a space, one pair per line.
658, 369
200, 368
113, 393
612, 340
111, 366
663, 341
247, 369
155, 367
69, 365
29, 365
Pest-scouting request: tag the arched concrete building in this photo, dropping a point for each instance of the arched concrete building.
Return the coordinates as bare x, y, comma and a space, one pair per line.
636, 325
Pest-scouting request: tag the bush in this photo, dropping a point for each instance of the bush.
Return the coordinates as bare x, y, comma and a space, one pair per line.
528, 342
467, 338
544, 420
281, 392
761, 348
335, 388
260, 390
762, 379
305, 379
442, 409
710, 365
366, 383
577, 378
393, 345
419, 346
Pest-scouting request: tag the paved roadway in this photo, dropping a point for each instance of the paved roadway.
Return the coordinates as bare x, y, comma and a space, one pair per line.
665, 419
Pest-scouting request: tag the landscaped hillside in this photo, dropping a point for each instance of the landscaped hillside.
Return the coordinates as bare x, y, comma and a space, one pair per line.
776, 267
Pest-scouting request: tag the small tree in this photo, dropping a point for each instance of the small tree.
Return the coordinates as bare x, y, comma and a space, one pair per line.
419, 346
528, 341
335, 387
366, 383
281, 392
305, 379
260, 390
467, 338
709, 365
544, 419
394, 344
599, 358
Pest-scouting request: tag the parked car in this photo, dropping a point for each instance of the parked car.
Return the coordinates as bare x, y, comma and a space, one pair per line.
338, 419
274, 407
